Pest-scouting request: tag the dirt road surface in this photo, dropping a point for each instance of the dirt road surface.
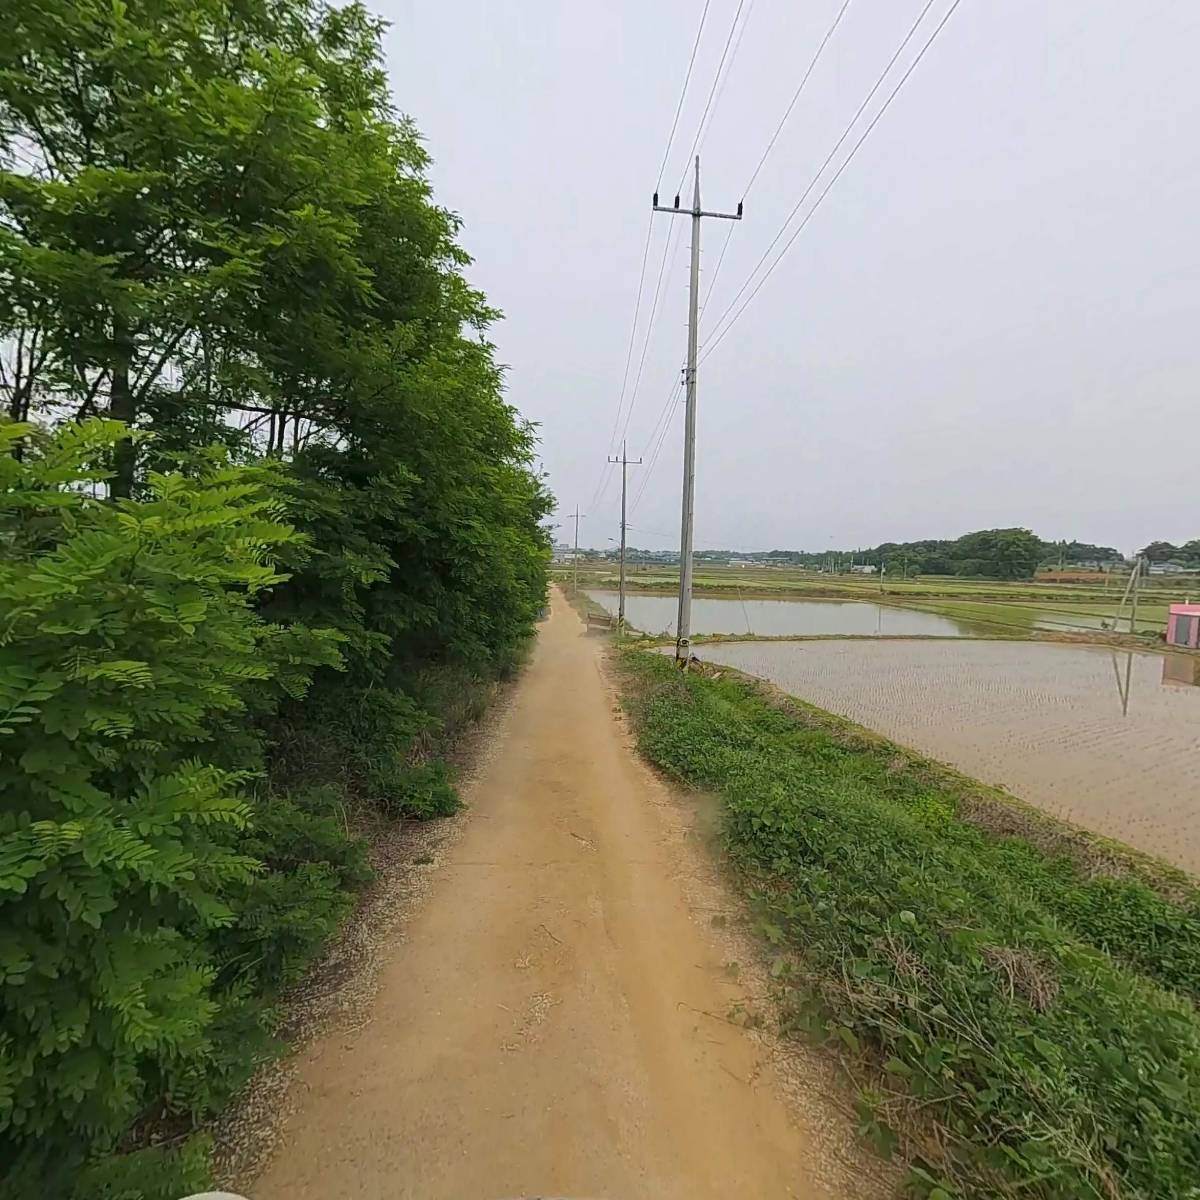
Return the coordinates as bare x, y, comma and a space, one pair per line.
554, 1023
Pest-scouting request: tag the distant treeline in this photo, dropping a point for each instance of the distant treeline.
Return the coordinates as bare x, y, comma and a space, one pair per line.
993, 553
1187, 555
986, 553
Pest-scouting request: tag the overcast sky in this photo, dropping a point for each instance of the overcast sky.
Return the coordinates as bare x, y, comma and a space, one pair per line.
992, 319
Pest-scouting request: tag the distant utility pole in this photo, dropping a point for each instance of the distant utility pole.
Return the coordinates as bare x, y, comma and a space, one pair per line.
1130, 594
1137, 577
683, 624
624, 460
575, 555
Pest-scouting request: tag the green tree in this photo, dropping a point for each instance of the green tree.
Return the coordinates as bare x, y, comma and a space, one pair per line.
1158, 552
216, 229
130, 659
998, 553
179, 169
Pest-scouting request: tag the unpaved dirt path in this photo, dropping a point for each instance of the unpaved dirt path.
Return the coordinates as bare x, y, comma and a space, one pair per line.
554, 1022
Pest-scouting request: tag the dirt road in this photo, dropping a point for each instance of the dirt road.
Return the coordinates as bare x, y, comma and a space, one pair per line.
553, 1023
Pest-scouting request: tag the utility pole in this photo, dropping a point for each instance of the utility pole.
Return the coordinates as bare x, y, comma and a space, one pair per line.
1131, 594
575, 556
624, 460
1137, 575
683, 624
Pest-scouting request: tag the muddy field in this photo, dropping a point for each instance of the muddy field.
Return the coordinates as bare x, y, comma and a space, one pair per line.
656, 614
1056, 725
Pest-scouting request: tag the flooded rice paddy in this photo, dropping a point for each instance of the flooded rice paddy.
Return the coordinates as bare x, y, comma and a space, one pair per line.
1108, 740
656, 614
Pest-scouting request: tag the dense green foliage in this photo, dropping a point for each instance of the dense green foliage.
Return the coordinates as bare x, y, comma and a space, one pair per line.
1026, 1027
268, 528
987, 553
1081, 554
1187, 555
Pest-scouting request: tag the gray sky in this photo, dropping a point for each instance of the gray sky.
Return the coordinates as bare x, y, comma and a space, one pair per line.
991, 320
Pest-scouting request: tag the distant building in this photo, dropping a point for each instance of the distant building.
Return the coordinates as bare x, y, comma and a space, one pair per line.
1183, 625
1170, 567
560, 553
863, 569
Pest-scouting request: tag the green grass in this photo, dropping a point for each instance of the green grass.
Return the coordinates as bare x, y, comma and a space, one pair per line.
1053, 616
1018, 997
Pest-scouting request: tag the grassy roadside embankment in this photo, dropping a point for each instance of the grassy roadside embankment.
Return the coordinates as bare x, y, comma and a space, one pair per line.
1016, 997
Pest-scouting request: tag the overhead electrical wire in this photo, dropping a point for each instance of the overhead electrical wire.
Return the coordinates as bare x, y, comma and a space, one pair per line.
729, 232
601, 485
712, 282
828, 158
664, 420
726, 322
787, 112
723, 80
663, 271
712, 92
669, 408
637, 308
682, 96
728, 55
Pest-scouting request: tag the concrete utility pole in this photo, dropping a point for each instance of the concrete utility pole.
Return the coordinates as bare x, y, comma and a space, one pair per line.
683, 624
1131, 594
624, 460
575, 555
1137, 576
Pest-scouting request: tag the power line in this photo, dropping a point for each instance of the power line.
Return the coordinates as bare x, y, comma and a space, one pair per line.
711, 93
662, 272
664, 419
682, 96
836, 176
724, 79
828, 159
646, 251
787, 112
672, 403
720, 259
601, 487
637, 308
837, 20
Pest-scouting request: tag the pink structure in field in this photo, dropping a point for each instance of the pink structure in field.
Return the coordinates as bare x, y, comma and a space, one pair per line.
1183, 625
